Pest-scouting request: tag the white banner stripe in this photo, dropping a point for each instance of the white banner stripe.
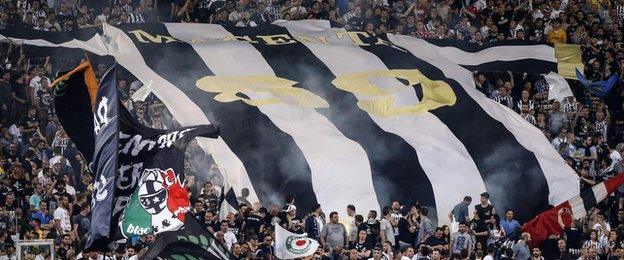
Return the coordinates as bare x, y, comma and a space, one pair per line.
430, 138
600, 192
326, 149
511, 53
562, 181
578, 208
180, 106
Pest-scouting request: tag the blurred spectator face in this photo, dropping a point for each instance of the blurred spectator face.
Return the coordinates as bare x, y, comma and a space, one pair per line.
199, 206
236, 249
462, 227
362, 235
9, 199
209, 217
67, 240
333, 218
224, 227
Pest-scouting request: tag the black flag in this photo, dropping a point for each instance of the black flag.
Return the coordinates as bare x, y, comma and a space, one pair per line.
88, 113
192, 242
139, 184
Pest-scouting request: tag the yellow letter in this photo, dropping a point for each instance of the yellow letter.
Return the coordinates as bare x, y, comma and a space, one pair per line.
355, 39
239, 38
272, 89
145, 37
276, 39
382, 102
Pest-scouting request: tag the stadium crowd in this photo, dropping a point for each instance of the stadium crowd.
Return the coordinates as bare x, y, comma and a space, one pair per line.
45, 183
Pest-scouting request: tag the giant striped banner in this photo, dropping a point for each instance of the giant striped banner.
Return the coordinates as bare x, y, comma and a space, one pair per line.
342, 117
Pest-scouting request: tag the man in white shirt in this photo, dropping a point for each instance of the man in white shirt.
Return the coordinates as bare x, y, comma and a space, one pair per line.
62, 221
228, 236
386, 229
490, 252
602, 227
616, 154
349, 223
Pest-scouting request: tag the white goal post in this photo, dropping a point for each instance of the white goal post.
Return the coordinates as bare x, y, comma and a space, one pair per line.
38, 242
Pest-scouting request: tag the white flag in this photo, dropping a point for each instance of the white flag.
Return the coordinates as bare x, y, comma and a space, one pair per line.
558, 87
289, 245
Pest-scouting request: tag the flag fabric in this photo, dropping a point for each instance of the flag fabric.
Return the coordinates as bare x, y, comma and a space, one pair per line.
74, 107
151, 196
228, 203
547, 223
558, 87
598, 88
289, 245
193, 241
139, 185
340, 117
88, 112
515, 56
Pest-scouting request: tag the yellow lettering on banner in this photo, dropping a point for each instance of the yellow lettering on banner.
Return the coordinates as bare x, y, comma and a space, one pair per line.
354, 36
239, 38
277, 39
382, 102
145, 37
273, 89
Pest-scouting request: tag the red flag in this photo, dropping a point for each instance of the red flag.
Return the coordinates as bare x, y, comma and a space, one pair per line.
547, 223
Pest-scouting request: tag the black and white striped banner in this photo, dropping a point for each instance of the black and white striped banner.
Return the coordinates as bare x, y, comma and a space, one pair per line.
337, 117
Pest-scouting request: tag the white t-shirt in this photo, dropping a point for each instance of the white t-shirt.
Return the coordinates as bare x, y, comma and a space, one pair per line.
70, 189
63, 215
488, 257
615, 157
385, 226
319, 223
230, 239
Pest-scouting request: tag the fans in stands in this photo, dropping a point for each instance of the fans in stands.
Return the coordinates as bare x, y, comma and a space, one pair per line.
46, 184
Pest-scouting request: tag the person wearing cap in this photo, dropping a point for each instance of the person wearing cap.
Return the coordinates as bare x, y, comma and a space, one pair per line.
292, 222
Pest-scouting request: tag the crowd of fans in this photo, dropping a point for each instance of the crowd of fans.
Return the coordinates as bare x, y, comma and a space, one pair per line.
45, 183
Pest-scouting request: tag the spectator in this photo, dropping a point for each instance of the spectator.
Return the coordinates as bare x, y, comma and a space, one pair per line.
386, 227
425, 230
460, 211
62, 217
521, 248
461, 240
334, 234
509, 224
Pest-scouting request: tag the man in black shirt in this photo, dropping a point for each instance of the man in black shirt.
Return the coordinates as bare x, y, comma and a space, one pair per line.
485, 210
254, 221
406, 230
198, 210
438, 241
211, 222
480, 229
562, 253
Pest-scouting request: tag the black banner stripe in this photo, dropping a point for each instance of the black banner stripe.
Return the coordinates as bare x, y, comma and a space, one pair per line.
397, 174
530, 66
589, 199
471, 47
511, 173
84, 34
273, 161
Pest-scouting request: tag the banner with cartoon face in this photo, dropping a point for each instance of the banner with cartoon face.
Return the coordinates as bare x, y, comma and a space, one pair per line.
139, 171
150, 193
